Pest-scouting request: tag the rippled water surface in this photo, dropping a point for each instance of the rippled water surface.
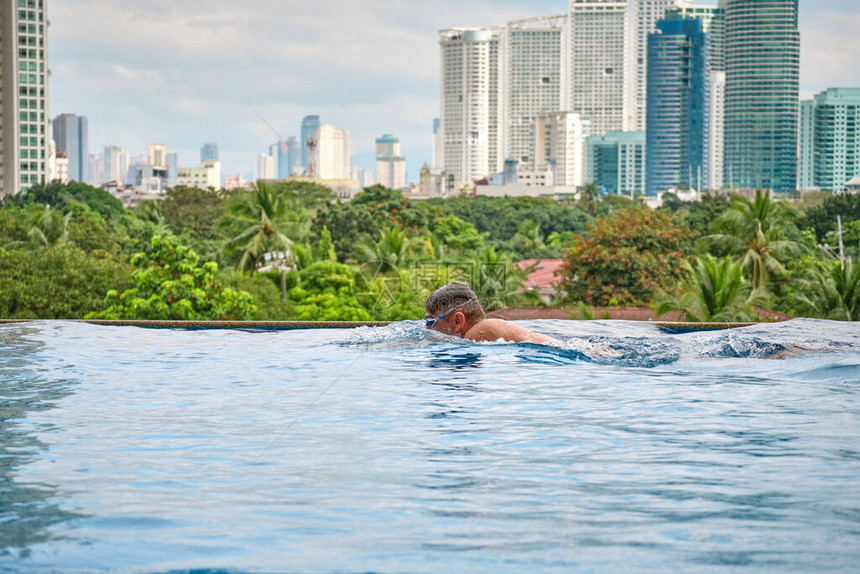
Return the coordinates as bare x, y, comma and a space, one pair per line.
398, 450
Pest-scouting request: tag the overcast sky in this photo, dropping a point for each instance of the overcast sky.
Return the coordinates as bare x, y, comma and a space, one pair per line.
188, 72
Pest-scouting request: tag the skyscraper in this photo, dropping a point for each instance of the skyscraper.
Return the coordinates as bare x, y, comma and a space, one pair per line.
560, 143
678, 106
331, 158
390, 165
310, 124
646, 15
471, 102
265, 168
71, 135
601, 67
806, 145
173, 167
117, 162
535, 81
762, 90
437, 144
24, 121
713, 23
833, 146
208, 152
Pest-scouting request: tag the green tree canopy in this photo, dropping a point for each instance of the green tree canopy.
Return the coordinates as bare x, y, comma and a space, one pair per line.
628, 258
171, 286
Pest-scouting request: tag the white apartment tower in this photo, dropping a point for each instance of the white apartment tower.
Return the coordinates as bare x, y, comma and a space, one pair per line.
117, 162
646, 13
24, 121
535, 81
560, 142
471, 102
265, 167
601, 67
715, 145
331, 156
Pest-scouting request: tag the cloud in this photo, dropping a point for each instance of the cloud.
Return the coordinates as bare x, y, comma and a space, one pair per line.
829, 49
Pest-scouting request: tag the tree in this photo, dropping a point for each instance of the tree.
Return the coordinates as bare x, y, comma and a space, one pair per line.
191, 208
835, 292
392, 250
755, 231
270, 221
48, 227
171, 286
56, 282
457, 234
714, 290
628, 258
589, 196
326, 293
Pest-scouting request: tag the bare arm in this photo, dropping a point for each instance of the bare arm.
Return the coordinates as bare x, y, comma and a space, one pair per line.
495, 329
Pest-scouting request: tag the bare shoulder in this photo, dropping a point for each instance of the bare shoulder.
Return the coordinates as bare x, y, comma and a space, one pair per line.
495, 329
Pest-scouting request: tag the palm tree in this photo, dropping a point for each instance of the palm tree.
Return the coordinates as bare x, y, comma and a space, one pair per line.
49, 227
714, 290
589, 196
755, 232
392, 250
835, 294
272, 223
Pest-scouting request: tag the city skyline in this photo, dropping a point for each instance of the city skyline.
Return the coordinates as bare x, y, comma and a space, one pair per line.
200, 73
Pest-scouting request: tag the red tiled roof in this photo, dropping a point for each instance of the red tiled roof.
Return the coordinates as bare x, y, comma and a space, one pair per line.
544, 275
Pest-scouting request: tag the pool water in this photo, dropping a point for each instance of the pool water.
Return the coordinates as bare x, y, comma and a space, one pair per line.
400, 450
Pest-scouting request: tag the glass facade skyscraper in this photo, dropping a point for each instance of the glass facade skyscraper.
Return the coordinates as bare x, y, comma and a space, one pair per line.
762, 45
678, 106
209, 152
616, 162
71, 134
310, 125
830, 139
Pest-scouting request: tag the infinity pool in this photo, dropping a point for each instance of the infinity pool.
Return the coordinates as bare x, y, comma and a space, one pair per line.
398, 450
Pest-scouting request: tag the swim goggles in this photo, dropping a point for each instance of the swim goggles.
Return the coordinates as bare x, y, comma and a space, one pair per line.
431, 322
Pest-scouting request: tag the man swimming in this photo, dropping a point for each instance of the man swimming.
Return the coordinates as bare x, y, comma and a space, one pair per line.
455, 310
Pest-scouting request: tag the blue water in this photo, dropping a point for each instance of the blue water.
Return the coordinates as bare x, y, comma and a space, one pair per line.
399, 450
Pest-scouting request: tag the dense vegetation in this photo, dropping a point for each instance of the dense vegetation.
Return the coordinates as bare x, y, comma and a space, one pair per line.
291, 251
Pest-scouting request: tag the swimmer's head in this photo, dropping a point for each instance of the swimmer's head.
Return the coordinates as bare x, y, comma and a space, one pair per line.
453, 309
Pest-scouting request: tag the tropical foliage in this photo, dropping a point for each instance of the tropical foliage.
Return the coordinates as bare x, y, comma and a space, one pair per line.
290, 250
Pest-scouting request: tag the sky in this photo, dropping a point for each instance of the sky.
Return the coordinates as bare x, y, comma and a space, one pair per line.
187, 72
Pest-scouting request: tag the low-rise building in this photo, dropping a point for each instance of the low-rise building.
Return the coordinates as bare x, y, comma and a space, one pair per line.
204, 177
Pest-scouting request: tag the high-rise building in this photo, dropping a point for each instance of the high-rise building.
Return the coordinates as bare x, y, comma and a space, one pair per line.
265, 168
331, 157
287, 154
437, 144
616, 162
209, 151
71, 135
600, 62
24, 121
646, 15
390, 165
762, 45
806, 146
713, 22
310, 124
471, 100
117, 162
716, 141
560, 143
173, 167
830, 139
95, 169
678, 121
535, 82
